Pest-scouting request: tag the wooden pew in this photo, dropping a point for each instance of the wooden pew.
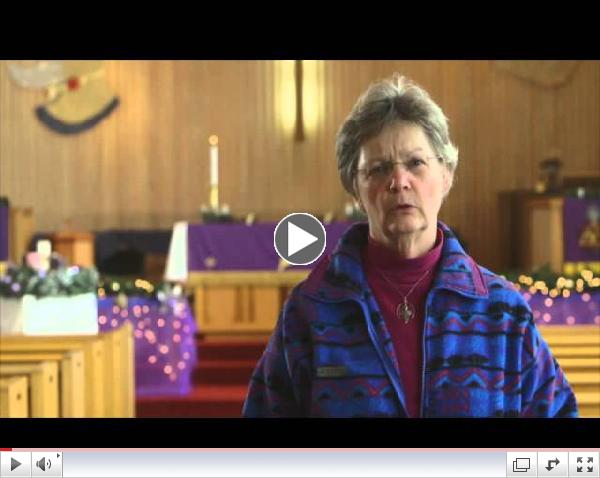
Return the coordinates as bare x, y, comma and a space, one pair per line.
575, 351
585, 364
108, 367
93, 353
43, 386
554, 330
70, 377
14, 397
568, 339
120, 358
584, 381
589, 404
574, 340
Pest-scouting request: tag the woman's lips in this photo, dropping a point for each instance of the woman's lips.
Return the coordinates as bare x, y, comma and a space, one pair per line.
403, 208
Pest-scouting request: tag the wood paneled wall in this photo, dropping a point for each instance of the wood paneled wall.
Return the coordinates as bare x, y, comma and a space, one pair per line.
147, 164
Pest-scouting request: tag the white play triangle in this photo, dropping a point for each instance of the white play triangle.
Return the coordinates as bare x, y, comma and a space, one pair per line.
298, 239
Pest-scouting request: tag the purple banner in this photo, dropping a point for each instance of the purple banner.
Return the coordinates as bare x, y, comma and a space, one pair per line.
165, 349
222, 247
3, 233
581, 219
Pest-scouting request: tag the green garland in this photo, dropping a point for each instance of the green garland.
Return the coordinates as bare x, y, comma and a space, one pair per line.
545, 279
130, 287
61, 281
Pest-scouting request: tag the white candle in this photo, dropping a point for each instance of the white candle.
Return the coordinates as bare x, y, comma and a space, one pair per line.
214, 160
44, 251
44, 248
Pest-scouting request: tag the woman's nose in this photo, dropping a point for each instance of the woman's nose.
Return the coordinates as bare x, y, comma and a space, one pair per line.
400, 178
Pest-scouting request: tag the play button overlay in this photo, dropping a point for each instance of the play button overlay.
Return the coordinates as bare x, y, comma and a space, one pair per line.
14, 464
299, 238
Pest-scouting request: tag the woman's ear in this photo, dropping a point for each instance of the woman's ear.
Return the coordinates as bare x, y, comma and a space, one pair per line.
358, 204
448, 181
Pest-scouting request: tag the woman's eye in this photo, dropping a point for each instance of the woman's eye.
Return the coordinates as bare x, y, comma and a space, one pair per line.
416, 162
378, 170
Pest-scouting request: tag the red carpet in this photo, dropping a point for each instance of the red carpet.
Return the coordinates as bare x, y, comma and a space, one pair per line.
220, 381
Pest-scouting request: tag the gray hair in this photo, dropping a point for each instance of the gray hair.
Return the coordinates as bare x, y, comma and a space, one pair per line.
385, 103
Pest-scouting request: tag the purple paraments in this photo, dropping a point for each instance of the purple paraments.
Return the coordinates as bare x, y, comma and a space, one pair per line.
240, 247
165, 351
577, 309
581, 226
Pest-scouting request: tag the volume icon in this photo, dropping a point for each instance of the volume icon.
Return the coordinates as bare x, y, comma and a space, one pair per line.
43, 463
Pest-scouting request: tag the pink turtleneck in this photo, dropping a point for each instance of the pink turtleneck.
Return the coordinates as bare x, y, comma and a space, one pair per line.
407, 338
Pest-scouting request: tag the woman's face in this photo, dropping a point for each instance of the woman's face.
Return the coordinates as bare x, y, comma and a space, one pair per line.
401, 183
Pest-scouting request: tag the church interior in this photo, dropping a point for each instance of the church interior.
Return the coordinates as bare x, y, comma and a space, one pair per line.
138, 202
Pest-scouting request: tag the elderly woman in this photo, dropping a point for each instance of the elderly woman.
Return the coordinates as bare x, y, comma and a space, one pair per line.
399, 321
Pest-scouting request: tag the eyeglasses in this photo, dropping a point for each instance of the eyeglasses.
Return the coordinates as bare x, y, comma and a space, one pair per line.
383, 170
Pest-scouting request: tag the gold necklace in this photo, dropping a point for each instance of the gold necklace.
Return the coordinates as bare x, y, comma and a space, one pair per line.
405, 310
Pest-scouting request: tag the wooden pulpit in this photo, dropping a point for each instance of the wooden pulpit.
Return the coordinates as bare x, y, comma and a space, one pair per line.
76, 247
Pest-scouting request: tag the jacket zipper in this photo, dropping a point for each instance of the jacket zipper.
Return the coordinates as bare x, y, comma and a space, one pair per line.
424, 357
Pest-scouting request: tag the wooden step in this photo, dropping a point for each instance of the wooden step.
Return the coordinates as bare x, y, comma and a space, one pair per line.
228, 349
202, 401
223, 372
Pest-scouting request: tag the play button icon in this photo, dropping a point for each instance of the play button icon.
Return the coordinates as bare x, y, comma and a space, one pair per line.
299, 238
15, 464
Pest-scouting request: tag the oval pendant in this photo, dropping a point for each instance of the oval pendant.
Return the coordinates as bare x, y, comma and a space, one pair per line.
405, 312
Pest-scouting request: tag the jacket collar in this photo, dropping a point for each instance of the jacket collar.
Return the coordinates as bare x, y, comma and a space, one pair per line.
343, 276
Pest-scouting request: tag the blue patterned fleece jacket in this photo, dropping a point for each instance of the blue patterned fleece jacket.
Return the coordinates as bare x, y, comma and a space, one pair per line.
331, 354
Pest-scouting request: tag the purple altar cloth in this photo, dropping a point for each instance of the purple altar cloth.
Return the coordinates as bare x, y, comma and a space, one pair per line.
3, 233
242, 247
165, 349
578, 309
